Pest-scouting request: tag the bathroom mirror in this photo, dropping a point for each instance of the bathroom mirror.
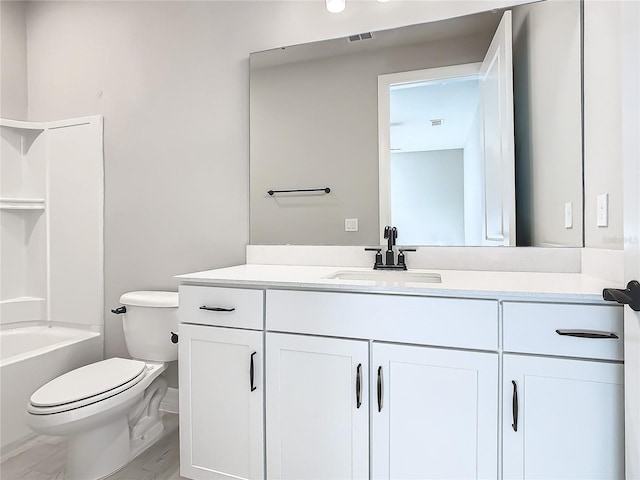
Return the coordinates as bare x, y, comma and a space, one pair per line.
314, 112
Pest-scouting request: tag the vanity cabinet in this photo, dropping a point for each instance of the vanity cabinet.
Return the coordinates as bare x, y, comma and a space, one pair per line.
388, 386
434, 413
221, 384
562, 417
317, 407
433, 410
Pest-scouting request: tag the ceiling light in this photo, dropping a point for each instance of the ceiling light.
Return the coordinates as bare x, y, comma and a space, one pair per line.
383, 1
335, 6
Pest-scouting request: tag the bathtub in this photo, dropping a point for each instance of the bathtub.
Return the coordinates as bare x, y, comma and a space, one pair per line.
30, 357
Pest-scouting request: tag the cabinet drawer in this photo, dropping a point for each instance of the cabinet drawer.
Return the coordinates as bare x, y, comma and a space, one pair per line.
394, 318
225, 307
537, 328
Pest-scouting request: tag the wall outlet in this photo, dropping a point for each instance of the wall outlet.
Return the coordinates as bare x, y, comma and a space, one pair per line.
350, 224
568, 215
602, 210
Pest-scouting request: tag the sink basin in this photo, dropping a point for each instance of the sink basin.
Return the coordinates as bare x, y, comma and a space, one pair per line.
387, 276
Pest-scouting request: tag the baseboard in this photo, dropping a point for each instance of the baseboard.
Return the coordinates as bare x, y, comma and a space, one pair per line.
170, 401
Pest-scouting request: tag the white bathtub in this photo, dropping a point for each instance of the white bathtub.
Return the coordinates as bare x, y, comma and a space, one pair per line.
29, 358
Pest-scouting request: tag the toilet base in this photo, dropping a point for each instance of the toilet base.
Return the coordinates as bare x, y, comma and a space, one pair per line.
102, 450
99, 452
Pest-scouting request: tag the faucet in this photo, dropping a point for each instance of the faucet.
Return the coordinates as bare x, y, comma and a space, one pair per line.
391, 234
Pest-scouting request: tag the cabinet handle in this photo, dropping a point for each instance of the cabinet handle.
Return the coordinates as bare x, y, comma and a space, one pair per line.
251, 368
359, 386
586, 334
380, 388
217, 309
514, 406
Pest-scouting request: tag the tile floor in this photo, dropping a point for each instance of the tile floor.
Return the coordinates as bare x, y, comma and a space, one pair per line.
43, 458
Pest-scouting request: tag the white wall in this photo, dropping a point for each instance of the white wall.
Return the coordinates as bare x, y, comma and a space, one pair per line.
172, 81
603, 121
13, 60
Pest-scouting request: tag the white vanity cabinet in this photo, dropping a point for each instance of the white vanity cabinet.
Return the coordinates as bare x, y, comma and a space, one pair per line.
317, 407
221, 383
433, 410
563, 418
386, 385
434, 413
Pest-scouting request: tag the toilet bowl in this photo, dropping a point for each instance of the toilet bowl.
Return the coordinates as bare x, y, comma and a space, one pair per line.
109, 410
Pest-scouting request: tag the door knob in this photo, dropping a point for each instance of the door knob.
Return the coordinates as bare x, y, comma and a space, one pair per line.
629, 296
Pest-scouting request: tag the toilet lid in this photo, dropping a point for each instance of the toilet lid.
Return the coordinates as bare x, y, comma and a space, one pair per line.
89, 382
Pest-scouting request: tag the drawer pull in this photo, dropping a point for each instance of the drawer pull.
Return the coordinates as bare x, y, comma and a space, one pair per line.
217, 309
359, 386
514, 406
380, 388
251, 368
586, 334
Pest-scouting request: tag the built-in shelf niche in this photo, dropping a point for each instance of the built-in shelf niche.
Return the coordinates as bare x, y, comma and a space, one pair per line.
50, 228
23, 230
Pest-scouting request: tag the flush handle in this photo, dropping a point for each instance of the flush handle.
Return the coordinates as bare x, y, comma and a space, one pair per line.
174, 337
119, 310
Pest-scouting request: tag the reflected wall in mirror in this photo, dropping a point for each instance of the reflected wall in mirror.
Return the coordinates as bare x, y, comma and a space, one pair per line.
314, 124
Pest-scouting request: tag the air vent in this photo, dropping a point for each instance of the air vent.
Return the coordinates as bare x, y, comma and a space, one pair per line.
360, 36
437, 122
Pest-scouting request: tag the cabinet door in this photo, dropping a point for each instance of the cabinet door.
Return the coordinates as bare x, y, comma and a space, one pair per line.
562, 419
435, 413
317, 408
221, 403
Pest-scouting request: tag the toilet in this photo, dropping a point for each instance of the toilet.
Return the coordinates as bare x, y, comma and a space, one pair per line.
109, 410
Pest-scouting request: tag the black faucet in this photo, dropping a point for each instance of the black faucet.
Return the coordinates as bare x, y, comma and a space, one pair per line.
391, 234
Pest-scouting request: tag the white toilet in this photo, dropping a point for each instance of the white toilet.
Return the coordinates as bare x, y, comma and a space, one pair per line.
109, 410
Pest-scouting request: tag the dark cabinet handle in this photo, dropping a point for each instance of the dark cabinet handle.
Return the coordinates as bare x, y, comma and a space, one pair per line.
586, 334
217, 309
380, 388
514, 406
629, 296
359, 386
251, 368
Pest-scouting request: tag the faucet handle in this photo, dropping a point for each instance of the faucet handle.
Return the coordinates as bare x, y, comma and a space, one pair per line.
401, 258
378, 251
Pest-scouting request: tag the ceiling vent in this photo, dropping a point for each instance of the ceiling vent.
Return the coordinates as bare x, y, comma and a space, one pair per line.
360, 36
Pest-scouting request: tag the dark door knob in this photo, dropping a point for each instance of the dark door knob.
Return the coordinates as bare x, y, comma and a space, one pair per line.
629, 296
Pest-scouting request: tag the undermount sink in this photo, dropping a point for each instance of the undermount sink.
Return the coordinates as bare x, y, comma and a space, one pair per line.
387, 276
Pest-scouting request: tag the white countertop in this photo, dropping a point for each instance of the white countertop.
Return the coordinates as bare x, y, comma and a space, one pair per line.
455, 283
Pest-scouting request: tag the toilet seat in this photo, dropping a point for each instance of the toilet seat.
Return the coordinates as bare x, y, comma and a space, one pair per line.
87, 385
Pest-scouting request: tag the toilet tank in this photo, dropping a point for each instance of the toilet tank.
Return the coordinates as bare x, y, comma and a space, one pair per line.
148, 323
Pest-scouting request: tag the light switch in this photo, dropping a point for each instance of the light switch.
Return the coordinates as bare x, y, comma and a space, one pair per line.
602, 210
568, 215
350, 224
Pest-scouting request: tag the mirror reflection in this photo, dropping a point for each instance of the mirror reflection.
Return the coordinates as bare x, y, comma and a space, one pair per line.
318, 120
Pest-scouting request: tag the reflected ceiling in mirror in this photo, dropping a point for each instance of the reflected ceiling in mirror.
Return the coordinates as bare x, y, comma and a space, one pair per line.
314, 124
